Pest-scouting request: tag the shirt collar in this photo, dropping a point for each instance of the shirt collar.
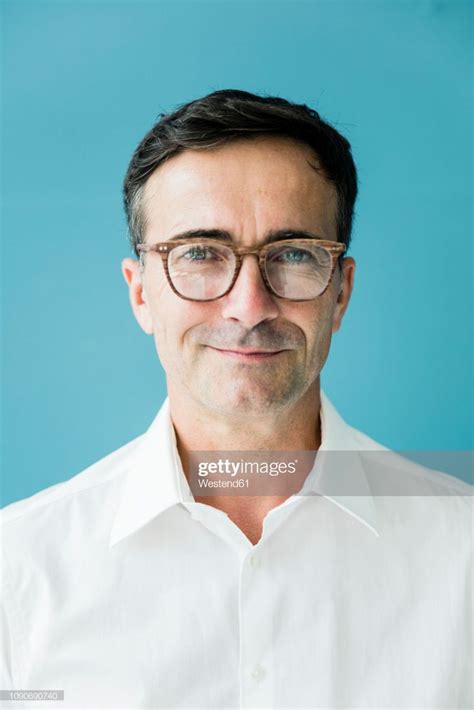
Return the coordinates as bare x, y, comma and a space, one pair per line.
340, 476
155, 481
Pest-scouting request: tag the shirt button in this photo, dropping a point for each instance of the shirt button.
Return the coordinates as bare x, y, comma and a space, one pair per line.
254, 561
258, 673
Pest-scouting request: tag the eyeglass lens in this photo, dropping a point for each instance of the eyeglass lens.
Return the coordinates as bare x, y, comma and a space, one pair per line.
205, 271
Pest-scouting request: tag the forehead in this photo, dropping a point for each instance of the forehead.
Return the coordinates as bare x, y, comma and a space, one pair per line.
247, 185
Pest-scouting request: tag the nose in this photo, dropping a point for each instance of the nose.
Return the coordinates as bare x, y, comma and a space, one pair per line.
249, 301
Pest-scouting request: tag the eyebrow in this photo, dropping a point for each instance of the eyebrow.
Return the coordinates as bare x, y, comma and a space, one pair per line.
275, 235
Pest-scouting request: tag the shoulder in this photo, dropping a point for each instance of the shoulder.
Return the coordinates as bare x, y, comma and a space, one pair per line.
54, 509
415, 473
421, 471
417, 483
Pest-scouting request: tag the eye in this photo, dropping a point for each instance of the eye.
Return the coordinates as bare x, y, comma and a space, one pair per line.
292, 255
200, 253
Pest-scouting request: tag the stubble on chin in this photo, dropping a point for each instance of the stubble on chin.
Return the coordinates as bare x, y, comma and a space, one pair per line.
247, 389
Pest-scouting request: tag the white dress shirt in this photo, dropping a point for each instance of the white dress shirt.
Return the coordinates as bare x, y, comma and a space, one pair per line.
122, 591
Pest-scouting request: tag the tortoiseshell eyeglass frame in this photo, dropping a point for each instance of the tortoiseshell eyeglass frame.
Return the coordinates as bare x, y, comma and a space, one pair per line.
335, 250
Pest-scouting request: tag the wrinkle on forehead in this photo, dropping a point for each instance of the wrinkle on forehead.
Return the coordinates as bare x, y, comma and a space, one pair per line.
272, 181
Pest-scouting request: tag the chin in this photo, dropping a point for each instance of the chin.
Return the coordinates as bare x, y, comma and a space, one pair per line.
247, 399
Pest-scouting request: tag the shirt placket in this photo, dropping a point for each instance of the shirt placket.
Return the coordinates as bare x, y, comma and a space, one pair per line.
256, 666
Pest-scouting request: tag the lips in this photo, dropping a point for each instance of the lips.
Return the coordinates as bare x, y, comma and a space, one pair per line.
248, 352
247, 355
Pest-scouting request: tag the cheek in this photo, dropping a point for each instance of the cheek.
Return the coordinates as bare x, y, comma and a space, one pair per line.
317, 328
173, 319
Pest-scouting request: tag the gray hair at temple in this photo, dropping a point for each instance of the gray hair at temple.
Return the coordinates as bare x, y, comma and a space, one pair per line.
226, 115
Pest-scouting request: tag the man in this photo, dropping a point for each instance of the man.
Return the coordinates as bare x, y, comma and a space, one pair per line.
132, 585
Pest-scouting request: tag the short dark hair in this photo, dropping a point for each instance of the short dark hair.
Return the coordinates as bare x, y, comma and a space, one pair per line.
229, 114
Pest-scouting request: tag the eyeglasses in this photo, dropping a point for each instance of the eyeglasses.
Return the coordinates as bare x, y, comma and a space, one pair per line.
203, 269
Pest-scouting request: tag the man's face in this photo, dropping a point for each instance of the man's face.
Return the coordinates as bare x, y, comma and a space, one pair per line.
248, 188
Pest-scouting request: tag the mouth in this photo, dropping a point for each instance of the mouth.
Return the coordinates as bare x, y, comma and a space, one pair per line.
248, 355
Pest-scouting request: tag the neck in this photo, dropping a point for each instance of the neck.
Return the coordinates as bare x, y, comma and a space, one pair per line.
296, 427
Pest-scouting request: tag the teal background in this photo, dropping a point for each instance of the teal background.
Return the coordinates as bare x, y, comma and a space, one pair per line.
83, 82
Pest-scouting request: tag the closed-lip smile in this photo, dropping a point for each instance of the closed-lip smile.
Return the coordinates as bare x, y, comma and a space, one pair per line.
247, 354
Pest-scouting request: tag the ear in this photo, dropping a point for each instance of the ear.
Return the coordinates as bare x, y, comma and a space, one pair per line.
137, 295
346, 283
